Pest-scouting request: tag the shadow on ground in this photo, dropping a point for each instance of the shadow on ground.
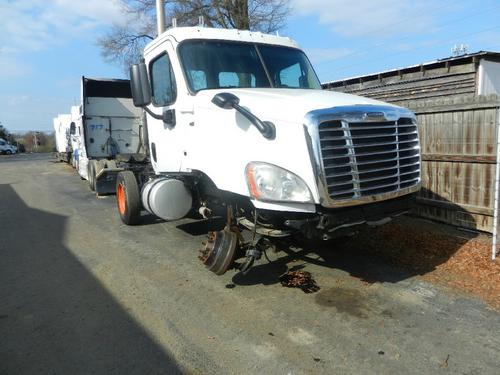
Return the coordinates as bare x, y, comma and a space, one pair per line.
404, 248
55, 316
201, 227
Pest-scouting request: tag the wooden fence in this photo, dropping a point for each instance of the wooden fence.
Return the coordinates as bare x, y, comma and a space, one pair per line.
458, 138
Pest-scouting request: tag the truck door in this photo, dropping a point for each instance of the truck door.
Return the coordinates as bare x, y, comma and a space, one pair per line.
97, 137
165, 138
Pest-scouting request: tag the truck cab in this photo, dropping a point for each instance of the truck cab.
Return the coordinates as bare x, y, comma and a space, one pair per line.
239, 121
6, 148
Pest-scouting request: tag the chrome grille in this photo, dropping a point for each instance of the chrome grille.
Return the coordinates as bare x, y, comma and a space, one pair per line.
368, 158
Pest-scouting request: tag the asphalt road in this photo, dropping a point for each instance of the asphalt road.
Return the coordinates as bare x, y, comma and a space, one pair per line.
80, 293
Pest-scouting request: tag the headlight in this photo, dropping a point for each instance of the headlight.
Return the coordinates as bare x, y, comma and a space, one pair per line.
268, 182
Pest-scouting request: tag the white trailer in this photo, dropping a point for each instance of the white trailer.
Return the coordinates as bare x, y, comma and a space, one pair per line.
76, 132
106, 128
62, 136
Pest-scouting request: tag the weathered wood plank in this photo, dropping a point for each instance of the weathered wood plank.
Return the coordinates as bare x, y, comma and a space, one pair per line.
456, 207
435, 84
460, 158
453, 107
461, 219
423, 96
394, 77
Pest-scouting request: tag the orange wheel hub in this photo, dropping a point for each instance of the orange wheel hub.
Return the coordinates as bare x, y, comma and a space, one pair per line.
120, 196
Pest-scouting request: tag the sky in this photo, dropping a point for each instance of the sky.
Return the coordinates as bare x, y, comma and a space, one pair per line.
47, 45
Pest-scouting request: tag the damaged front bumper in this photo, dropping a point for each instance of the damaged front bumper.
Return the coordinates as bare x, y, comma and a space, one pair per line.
326, 224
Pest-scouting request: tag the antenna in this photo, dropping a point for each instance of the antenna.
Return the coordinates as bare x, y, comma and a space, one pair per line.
459, 50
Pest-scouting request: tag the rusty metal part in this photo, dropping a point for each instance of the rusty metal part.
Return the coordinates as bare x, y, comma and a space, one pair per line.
262, 230
220, 251
299, 279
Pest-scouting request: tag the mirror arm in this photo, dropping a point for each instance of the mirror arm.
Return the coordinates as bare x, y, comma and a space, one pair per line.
266, 128
154, 115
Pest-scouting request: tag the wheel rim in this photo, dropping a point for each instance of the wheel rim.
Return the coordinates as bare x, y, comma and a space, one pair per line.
120, 196
220, 251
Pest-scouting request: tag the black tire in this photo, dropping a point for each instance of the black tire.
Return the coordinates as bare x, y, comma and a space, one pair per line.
128, 198
8, 152
91, 175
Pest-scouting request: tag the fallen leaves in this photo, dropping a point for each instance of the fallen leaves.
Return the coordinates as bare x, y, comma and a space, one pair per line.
299, 279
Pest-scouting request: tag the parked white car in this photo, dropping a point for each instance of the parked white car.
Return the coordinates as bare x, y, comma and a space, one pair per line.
6, 148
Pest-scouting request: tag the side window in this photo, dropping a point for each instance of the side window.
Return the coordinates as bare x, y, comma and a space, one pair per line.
162, 81
2, 143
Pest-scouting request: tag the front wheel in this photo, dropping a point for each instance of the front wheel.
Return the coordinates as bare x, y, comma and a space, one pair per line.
8, 152
128, 198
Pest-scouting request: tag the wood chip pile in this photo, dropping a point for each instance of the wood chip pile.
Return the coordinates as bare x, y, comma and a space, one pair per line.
440, 254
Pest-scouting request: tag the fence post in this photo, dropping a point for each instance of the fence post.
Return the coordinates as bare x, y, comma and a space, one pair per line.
497, 191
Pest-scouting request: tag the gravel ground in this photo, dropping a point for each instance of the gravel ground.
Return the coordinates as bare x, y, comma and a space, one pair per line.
83, 294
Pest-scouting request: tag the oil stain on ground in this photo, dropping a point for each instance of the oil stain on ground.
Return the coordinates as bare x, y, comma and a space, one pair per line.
347, 301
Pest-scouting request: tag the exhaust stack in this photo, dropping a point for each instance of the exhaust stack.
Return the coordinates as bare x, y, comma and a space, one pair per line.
160, 15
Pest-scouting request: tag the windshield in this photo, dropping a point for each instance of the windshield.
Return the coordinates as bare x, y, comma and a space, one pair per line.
220, 64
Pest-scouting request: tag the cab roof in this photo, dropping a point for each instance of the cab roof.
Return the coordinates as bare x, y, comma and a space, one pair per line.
180, 34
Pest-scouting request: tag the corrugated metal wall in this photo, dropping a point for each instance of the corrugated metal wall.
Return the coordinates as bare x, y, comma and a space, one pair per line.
458, 138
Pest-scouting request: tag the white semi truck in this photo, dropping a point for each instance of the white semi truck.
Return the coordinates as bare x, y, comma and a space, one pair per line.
105, 132
238, 126
6, 148
63, 138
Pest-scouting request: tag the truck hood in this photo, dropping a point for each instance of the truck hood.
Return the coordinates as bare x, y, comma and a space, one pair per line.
233, 143
287, 105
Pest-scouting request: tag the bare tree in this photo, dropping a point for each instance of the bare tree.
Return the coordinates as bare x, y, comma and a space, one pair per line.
4, 133
123, 44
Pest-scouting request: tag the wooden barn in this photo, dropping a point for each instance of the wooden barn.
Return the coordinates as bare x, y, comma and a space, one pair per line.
472, 74
457, 104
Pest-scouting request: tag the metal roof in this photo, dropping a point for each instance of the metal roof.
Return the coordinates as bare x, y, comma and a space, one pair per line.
452, 60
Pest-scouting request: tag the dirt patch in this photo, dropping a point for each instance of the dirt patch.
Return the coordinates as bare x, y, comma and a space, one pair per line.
439, 253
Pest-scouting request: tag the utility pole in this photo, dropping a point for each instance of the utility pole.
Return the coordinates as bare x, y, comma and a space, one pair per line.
35, 140
160, 16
